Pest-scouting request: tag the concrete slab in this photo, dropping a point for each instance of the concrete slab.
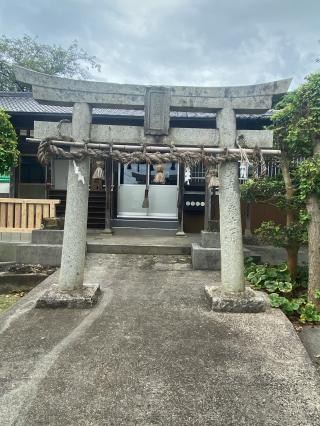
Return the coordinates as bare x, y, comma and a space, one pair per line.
310, 336
274, 255
155, 249
151, 352
135, 244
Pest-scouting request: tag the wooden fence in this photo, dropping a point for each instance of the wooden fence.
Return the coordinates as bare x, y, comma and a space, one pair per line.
23, 215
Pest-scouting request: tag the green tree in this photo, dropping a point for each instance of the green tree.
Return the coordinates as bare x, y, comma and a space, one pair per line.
296, 126
282, 192
8, 144
29, 52
303, 132
275, 192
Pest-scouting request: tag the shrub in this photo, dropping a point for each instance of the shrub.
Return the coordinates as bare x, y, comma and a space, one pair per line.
284, 293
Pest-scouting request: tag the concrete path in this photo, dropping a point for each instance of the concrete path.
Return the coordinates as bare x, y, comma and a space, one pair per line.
151, 353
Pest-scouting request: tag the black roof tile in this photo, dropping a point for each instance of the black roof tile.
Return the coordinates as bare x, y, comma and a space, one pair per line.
23, 102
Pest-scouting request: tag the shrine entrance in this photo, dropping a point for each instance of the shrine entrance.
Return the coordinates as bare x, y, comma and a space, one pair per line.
152, 191
156, 183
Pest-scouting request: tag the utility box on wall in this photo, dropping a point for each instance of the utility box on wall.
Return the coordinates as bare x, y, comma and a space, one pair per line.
4, 186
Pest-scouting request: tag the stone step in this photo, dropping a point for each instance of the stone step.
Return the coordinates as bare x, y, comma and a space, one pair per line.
130, 231
153, 249
145, 223
8, 251
52, 236
50, 254
47, 236
42, 254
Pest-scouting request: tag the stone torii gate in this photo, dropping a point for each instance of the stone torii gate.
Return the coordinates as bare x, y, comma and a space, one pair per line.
157, 102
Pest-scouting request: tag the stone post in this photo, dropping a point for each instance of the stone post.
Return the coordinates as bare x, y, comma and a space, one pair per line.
108, 182
232, 268
206, 255
75, 227
70, 291
207, 205
180, 231
247, 230
232, 296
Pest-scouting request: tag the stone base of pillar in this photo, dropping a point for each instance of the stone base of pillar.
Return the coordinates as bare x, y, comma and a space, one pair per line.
86, 297
107, 231
248, 301
248, 233
180, 234
205, 258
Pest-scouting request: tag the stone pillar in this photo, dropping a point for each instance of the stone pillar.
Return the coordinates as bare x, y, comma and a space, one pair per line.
207, 205
247, 230
108, 182
180, 231
232, 296
232, 268
206, 255
75, 228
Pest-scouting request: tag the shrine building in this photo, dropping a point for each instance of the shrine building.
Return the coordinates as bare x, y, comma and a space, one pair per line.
117, 193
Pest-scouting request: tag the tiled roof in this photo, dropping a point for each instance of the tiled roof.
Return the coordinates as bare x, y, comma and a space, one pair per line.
23, 102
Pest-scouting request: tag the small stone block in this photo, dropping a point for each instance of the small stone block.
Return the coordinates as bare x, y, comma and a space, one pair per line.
210, 239
83, 298
157, 111
248, 301
205, 258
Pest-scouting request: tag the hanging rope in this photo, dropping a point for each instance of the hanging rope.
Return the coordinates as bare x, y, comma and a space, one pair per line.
48, 150
258, 160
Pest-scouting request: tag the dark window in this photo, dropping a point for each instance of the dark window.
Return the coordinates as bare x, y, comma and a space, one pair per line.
31, 171
133, 174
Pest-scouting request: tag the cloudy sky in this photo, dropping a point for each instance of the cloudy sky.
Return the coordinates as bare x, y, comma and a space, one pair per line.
196, 42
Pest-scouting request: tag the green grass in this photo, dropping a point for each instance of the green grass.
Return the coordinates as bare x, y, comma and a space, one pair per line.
7, 300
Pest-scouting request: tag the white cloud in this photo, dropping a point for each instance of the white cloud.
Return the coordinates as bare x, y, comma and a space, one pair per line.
199, 42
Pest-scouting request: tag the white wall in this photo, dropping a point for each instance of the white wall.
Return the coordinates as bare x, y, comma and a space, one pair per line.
60, 174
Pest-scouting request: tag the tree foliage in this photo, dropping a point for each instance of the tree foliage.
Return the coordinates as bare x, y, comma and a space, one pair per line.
268, 190
309, 177
29, 52
293, 235
296, 124
8, 144
272, 191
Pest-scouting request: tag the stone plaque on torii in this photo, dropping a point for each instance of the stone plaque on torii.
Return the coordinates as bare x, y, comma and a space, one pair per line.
157, 102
